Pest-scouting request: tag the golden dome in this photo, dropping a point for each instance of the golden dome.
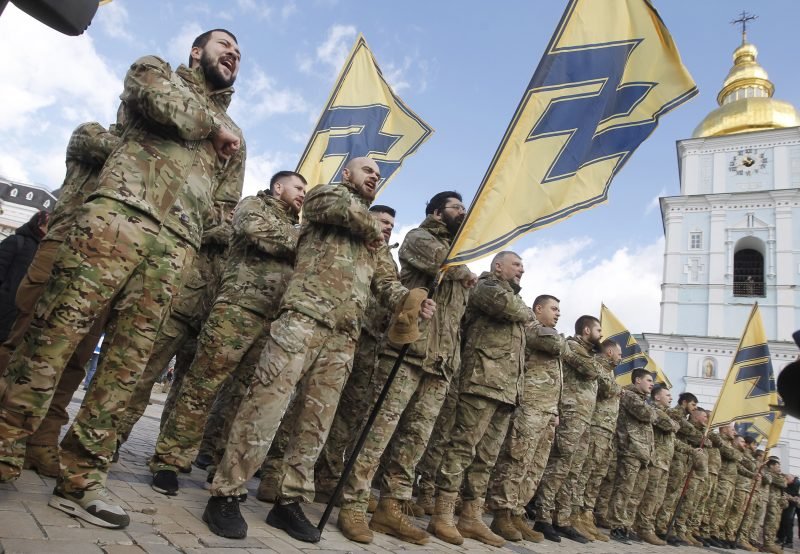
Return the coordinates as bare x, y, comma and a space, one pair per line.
745, 101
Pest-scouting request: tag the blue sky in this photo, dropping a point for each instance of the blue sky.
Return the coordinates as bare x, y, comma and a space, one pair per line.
461, 66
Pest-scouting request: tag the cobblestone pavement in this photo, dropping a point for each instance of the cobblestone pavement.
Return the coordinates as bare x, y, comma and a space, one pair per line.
168, 525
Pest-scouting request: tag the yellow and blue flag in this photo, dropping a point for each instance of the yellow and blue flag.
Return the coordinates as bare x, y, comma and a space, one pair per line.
610, 72
764, 427
749, 389
363, 117
632, 354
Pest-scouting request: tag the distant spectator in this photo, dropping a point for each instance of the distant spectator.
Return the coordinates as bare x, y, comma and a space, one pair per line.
16, 254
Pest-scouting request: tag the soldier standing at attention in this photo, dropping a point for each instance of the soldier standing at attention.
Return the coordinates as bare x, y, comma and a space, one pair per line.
336, 266
492, 368
137, 232
726, 483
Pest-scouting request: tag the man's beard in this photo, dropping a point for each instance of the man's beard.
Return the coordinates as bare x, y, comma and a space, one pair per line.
453, 224
213, 75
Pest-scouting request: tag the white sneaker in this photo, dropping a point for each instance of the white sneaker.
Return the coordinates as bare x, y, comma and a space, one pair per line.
94, 506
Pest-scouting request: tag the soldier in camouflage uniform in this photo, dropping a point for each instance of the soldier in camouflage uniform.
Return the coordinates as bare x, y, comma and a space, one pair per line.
746, 472
700, 522
531, 431
138, 231
421, 383
336, 266
664, 429
492, 368
634, 450
258, 266
581, 368
589, 476
692, 434
760, 499
776, 503
87, 150
726, 483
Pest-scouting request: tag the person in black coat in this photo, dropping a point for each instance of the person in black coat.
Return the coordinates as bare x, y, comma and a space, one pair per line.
16, 254
787, 518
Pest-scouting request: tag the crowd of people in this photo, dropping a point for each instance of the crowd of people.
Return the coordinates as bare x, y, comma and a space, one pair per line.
285, 333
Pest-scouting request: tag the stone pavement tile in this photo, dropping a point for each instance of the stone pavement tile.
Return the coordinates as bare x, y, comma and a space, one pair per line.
182, 540
24, 546
89, 535
146, 537
160, 549
123, 549
284, 546
216, 551
45, 515
20, 525
210, 540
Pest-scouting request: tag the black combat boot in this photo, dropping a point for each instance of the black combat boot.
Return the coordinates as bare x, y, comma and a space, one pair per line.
223, 517
290, 518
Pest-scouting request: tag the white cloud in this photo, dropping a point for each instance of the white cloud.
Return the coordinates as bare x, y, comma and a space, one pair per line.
260, 168
261, 98
288, 9
655, 202
396, 76
332, 52
113, 20
260, 9
180, 44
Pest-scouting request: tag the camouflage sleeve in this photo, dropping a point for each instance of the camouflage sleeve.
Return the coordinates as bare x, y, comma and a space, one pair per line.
423, 252
386, 285
743, 469
269, 232
636, 407
498, 302
665, 423
607, 386
90, 143
583, 362
683, 448
545, 339
219, 230
230, 178
150, 91
336, 205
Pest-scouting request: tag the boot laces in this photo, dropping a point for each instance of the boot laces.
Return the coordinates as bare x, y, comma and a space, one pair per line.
230, 509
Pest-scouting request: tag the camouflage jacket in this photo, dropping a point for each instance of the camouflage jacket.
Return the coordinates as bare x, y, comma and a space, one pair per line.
493, 357
87, 151
581, 369
692, 434
712, 450
261, 256
543, 368
635, 425
608, 391
166, 165
377, 316
664, 429
730, 459
334, 270
746, 470
777, 489
199, 286
438, 350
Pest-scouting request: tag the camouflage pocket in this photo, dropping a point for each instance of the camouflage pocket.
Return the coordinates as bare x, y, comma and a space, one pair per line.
291, 331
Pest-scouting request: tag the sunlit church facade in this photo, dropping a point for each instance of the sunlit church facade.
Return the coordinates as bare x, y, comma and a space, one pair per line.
733, 239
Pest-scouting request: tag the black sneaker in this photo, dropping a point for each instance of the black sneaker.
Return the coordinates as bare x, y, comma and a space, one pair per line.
530, 510
203, 460
569, 532
620, 535
547, 530
290, 518
165, 482
223, 517
715, 542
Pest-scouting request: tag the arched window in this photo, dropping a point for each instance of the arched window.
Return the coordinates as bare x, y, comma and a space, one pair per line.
748, 273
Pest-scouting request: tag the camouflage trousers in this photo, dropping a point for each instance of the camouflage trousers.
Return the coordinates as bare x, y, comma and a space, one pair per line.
736, 512
428, 467
675, 482
173, 333
406, 418
522, 458
703, 499
114, 252
720, 507
772, 521
273, 468
691, 502
298, 347
571, 443
630, 484
755, 533
645, 521
358, 397
228, 335
751, 512
479, 428
183, 361
589, 476
607, 486
705, 521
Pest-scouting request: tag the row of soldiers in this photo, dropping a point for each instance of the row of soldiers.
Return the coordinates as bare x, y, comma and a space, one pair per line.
294, 329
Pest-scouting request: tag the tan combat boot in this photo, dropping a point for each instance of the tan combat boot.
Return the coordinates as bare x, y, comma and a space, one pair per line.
442, 525
372, 505
353, 525
745, 544
775, 549
390, 520
577, 523
8, 472
268, 489
470, 524
426, 502
504, 526
528, 533
588, 523
42, 459
651, 538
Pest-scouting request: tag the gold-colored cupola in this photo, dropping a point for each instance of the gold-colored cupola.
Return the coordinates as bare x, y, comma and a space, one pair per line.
745, 100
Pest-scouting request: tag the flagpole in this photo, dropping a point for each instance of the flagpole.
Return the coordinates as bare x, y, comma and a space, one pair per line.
756, 478
683, 492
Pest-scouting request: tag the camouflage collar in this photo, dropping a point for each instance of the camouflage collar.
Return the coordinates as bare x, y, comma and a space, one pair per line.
435, 227
197, 79
352, 188
279, 204
588, 346
508, 285
633, 389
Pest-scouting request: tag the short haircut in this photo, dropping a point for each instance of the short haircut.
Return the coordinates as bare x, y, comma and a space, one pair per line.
749, 439
542, 299
500, 256
686, 397
639, 373
608, 343
202, 39
381, 209
283, 175
437, 203
772, 462
657, 389
583, 322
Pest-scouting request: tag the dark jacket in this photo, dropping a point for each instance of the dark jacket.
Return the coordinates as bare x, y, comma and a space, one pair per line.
16, 254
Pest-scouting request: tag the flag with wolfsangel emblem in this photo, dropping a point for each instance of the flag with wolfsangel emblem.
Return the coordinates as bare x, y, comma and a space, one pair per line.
363, 117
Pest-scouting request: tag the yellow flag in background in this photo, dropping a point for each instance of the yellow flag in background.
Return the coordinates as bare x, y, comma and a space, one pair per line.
749, 388
632, 354
610, 71
363, 117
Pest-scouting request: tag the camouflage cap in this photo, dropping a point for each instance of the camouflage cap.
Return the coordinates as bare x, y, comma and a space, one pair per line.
404, 328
